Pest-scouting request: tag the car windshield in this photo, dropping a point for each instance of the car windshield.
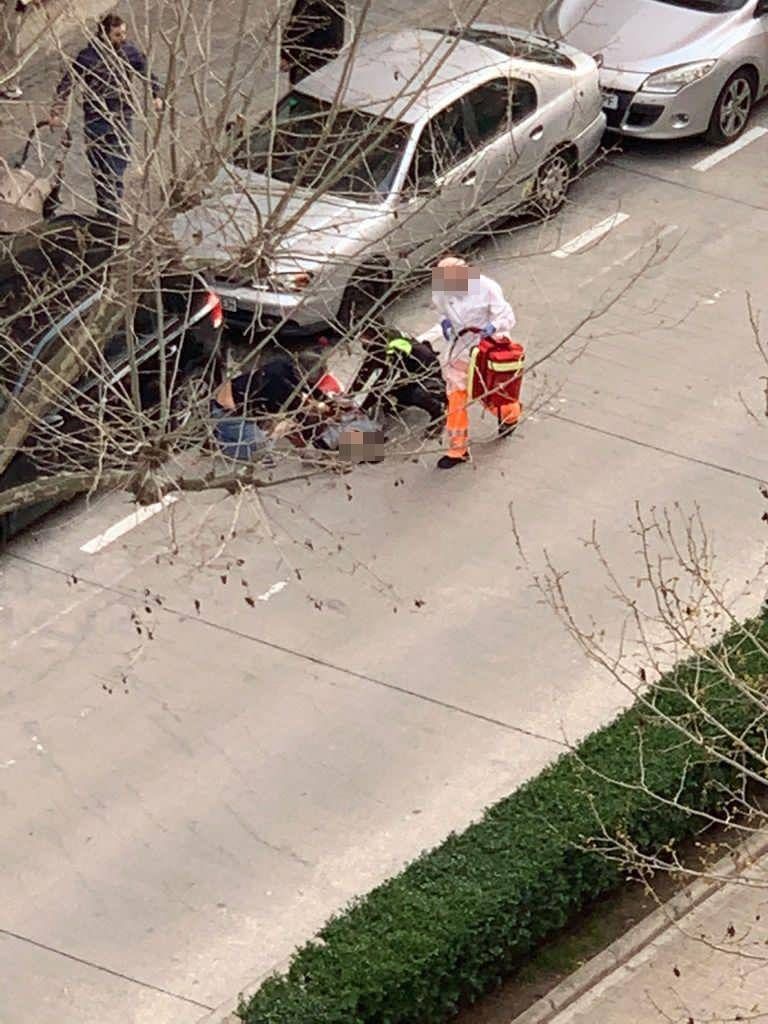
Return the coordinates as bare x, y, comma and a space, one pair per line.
311, 143
28, 341
711, 6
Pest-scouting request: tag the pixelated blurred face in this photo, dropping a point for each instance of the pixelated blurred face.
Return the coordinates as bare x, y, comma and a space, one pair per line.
361, 445
452, 279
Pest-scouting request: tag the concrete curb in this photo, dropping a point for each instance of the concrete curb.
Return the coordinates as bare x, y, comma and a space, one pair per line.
225, 1012
622, 950
596, 970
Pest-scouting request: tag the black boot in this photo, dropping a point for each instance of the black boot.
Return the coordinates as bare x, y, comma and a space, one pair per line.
505, 429
449, 461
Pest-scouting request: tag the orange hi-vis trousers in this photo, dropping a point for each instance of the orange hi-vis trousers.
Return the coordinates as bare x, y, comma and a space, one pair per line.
457, 424
457, 421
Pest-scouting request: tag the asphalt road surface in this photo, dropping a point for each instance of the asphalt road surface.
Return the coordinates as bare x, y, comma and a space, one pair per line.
342, 672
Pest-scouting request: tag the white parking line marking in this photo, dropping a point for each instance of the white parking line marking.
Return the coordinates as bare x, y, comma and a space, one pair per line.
130, 522
658, 237
722, 154
274, 589
591, 235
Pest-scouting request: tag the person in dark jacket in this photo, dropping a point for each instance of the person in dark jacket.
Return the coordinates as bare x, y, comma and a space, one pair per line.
401, 372
105, 69
314, 36
244, 409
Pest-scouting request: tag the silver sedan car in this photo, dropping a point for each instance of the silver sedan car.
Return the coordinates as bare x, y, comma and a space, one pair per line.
370, 168
671, 67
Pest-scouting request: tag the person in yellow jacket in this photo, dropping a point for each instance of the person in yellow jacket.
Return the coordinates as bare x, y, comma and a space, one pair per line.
471, 306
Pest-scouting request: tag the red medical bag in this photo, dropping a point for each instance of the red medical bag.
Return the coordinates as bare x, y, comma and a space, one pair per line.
496, 372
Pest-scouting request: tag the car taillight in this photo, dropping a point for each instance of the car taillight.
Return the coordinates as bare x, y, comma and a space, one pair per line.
216, 313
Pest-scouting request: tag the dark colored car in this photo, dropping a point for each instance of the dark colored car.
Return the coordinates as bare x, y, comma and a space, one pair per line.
48, 281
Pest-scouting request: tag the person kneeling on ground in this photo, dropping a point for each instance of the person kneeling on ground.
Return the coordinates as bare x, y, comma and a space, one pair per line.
403, 373
243, 407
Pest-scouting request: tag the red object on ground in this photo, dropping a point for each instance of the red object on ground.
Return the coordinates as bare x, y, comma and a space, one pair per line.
329, 385
496, 372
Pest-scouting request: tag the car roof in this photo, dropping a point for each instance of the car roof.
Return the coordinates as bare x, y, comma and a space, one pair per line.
406, 75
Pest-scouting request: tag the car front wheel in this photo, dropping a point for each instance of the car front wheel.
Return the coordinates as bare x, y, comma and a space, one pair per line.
552, 184
731, 111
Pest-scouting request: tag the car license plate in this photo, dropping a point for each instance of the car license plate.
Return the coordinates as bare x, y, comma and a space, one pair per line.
228, 303
610, 101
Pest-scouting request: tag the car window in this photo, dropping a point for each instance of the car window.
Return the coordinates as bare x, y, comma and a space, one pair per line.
116, 350
179, 294
488, 110
444, 142
28, 342
498, 105
523, 100
24, 351
466, 126
313, 143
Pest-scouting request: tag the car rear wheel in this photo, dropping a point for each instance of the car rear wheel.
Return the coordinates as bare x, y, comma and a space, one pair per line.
731, 111
552, 184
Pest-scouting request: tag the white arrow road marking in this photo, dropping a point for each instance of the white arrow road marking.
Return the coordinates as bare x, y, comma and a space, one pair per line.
593, 234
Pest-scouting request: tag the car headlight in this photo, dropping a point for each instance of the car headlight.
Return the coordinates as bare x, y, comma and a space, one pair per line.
672, 80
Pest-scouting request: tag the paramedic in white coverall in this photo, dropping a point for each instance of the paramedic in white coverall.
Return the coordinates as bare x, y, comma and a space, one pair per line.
471, 306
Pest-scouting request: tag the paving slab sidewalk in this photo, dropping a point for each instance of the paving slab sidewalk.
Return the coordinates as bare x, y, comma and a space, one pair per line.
702, 957
48, 30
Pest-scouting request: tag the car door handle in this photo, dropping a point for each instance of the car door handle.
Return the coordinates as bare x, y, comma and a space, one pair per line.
470, 179
537, 132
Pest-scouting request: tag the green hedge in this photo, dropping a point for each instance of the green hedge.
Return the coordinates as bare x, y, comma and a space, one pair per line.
463, 915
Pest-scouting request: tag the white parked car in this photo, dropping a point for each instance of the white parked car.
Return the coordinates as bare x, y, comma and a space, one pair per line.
370, 168
671, 67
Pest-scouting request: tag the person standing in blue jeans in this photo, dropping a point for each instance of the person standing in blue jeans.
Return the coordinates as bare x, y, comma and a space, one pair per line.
105, 69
